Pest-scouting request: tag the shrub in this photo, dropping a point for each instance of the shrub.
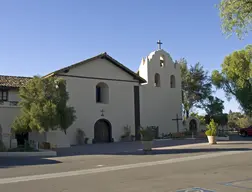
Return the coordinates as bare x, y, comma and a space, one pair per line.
211, 128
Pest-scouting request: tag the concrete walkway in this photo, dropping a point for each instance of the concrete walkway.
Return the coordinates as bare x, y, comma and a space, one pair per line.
120, 147
223, 167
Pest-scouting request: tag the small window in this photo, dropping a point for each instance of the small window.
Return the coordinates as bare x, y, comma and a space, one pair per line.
102, 93
157, 80
172, 81
3, 95
162, 61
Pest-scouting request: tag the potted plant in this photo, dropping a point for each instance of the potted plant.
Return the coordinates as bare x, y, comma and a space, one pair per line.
146, 138
211, 132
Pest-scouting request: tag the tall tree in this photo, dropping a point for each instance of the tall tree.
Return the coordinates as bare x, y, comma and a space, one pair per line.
44, 106
236, 16
196, 85
220, 119
213, 106
235, 78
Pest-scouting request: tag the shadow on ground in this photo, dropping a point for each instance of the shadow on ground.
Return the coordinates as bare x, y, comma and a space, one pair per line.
131, 148
120, 147
28, 161
166, 151
7, 162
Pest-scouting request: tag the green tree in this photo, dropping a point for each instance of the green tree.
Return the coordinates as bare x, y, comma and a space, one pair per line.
221, 119
237, 119
233, 118
244, 122
213, 106
44, 106
235, 78
236, 16
196, 85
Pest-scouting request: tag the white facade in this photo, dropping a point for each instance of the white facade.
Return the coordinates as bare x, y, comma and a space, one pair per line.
118, 110
8, 112
119, 104
161, 101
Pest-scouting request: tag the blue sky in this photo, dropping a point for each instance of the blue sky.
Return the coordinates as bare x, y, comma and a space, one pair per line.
38, 37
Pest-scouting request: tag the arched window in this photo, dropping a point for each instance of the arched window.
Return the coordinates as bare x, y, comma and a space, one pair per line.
162, 61
102, 93
157, 80
172, 81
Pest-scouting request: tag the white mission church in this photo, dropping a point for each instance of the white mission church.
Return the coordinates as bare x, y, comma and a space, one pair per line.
107, 96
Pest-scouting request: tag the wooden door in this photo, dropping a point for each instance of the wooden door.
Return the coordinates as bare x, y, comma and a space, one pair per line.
102, 131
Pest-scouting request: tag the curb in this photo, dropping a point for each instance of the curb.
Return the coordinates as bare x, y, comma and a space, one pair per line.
162, 139
40, 153
182, 146
222, 138
179, 139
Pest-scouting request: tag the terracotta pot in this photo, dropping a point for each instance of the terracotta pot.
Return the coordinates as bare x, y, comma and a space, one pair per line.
211, 140
147, 145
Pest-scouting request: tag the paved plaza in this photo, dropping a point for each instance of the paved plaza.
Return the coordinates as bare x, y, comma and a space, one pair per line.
170, 167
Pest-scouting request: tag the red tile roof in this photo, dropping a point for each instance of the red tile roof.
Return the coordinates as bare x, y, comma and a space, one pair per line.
13, 81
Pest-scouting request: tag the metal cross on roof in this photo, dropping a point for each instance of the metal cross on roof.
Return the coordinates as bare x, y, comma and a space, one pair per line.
159, 44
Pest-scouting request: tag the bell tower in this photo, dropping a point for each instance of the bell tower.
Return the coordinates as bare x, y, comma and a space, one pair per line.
160, 97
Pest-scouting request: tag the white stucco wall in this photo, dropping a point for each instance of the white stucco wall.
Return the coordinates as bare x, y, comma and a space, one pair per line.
143, 69
159, 105
82, 91
8, 112
57, 139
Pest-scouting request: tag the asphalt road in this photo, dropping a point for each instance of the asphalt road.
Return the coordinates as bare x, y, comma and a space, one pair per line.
222, 168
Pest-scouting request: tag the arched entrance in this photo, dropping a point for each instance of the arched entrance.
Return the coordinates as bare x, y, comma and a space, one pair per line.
193, 125
102, 131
